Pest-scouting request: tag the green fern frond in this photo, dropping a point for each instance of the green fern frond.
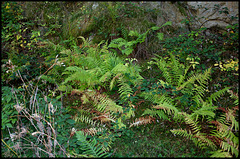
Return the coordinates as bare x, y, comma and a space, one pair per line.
158, 113
163, 66
113, 81
105, 77
91, 147
169, 109
205, 110
220, 153
231, 118
130, 113
183, 133
229, 148
72, 69
204, 141
216, 95
125, 90
234, 96
191, 122
157, 99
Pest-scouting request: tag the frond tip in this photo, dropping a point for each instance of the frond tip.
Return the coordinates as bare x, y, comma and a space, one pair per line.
143, 120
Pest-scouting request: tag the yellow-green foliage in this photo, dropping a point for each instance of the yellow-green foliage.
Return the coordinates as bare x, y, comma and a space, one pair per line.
228, 65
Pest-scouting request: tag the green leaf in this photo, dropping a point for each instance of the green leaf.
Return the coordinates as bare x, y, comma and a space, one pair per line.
9, 125
155, 28
70, 121
167, 23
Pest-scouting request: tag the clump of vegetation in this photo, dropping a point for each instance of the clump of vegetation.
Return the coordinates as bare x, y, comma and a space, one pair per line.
83, 79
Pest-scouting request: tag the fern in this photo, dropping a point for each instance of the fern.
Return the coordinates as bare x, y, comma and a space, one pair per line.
162, 102
205, 110
158, 113
81, 118
102, 102
193, 124
216, 95
221, 153
226, 125
105, 118
92, 131
142, 121
196, 136
90, 148
125, 90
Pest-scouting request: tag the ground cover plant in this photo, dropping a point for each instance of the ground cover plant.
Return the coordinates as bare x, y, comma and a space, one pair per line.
67, 95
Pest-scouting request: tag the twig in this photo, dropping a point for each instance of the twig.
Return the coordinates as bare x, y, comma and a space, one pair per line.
10, 148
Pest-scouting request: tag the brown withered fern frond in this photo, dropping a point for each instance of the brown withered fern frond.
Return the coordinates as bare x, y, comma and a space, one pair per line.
142, 121
104, 118
91, 131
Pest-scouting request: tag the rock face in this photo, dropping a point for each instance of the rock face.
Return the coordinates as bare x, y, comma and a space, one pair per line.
215, 14
200, 14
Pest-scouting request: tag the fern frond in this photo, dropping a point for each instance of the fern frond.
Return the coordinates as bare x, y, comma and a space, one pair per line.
142, 121
91, 147
169, 109
183, 133
229, 148
204, 141
158, 113
105, 118
72, 69
105, 77
205, 110
85, 119
157, 99
230, 118
113, 81
216, 95
225, 126
125, 90
191, 122
92, 131
234, 96
177, 69
102, 102
163, 66
220, 153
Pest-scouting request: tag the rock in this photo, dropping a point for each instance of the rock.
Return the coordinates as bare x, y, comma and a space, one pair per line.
205, 14
215, 14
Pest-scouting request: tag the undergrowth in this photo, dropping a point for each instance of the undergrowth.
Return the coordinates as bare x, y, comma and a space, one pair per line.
99, 90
